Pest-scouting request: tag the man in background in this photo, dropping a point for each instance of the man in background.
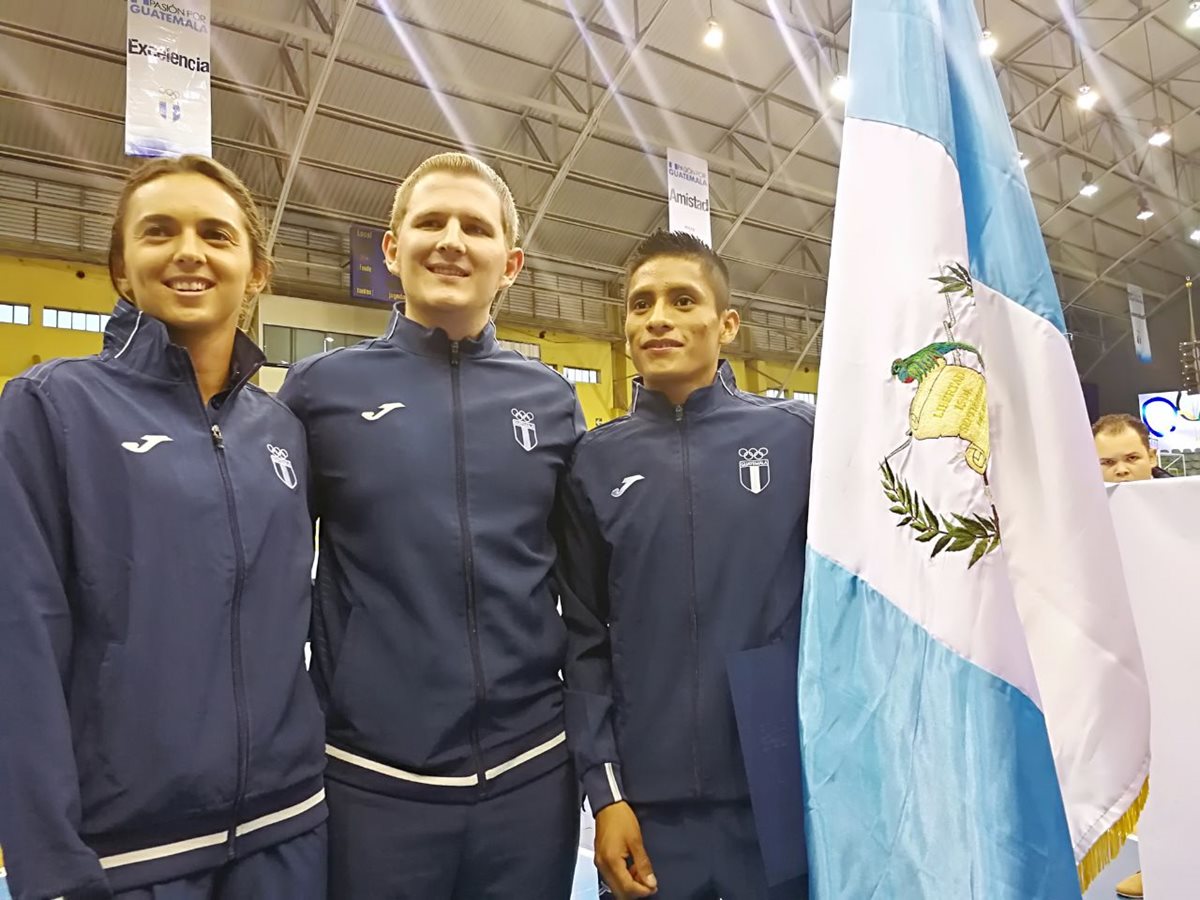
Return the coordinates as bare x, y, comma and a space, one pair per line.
1123, 446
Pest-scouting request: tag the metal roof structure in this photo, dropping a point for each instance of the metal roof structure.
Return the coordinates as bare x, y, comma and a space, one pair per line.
324, 105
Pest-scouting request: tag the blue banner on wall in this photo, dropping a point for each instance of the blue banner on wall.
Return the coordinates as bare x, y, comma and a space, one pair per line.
369, 275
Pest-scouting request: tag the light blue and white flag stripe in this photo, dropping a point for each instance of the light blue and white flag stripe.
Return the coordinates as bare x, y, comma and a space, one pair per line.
974, 720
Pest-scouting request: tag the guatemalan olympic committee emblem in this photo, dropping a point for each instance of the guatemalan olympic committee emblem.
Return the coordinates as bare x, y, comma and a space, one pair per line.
754, 471
169, 107
524, 430
283, 466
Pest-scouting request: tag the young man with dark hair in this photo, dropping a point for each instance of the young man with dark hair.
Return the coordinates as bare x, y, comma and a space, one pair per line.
437, 457
1123, 446
684, 566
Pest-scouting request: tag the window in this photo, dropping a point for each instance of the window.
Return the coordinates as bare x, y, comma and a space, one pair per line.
581, 376
277, 344
778, 394
74, 320
307, 343
14, 314
284, 345
527, 350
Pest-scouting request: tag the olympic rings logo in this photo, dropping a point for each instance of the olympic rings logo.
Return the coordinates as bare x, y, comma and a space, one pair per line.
1171, 415
753, 454
277, 452
519, 415
1146, 418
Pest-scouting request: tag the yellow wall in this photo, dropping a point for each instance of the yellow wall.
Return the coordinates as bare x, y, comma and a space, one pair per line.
578, 352
772, 374
47, 283
41, 283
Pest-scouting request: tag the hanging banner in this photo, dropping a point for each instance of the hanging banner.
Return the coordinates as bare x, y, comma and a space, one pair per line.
168, 108
1137, 313
687, 195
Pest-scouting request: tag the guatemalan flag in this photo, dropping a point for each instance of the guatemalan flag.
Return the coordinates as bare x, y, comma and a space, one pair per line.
973, 705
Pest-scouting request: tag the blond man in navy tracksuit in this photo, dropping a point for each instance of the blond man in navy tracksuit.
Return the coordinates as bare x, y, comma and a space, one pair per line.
437, 458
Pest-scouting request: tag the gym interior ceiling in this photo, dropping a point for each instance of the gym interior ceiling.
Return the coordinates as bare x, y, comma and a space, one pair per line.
577, 101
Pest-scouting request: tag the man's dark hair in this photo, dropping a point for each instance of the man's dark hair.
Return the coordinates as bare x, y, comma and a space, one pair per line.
1116, 422
679, 243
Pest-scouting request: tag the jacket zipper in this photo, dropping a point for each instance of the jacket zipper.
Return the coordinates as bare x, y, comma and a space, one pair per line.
460, 468
681, 422
239, 579
239, 676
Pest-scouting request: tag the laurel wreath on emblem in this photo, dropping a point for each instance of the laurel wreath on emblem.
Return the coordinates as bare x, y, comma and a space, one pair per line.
979, 534
950, 402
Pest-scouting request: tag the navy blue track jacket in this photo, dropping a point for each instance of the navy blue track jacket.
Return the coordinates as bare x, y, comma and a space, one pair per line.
154, 600
684, 547
437, 645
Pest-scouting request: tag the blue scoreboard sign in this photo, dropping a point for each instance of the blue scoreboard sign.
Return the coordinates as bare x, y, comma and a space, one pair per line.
369, 275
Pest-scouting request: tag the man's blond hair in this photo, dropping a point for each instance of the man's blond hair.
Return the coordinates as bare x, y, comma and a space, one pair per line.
460, 164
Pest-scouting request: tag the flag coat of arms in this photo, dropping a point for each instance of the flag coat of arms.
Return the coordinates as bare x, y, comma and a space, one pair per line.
973, 705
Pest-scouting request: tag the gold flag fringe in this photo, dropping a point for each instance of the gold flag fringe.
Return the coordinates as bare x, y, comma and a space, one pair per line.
1105, 850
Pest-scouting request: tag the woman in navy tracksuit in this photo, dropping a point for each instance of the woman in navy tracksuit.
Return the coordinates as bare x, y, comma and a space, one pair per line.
159, 737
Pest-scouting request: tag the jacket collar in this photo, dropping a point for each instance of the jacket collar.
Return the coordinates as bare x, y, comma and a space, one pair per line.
141, 342
403, 332
656, 405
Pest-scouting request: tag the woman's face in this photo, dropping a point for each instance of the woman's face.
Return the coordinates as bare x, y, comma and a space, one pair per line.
188, 258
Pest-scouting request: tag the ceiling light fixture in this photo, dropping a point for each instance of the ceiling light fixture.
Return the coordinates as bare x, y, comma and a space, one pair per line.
714, 34
1144, 210
1160, 136
1195, 235
1193, 19
987, 41
1023, 160
714, 37
840, 89
1087, 98
1089, 188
